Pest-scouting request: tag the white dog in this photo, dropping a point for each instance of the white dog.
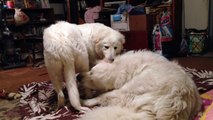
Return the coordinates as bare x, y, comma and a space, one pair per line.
70, 48
140, 85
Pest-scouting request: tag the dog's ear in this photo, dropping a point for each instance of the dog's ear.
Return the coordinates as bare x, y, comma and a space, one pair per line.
98, 50
97, 39
122, 39
101, 61
99, 35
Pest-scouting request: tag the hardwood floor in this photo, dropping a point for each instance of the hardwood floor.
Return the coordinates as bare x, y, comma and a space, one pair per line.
205, 63
11, 80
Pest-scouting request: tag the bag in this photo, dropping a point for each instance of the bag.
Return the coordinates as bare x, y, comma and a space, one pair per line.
196, 40
183, 47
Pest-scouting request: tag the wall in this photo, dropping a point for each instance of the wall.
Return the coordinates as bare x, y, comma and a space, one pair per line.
196, 13
211, 26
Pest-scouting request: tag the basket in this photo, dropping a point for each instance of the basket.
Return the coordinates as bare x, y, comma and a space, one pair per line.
196, 42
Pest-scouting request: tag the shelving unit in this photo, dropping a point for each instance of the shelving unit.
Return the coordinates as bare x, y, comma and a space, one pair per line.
24, 40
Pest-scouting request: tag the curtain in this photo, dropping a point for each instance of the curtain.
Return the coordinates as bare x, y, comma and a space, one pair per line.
196, 14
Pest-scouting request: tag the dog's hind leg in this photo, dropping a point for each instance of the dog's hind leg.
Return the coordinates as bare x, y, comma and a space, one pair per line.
54, 68
70, 78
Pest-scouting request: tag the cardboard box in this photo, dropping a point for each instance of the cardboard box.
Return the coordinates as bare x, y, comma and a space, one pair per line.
130, 22
119, 22
138, 22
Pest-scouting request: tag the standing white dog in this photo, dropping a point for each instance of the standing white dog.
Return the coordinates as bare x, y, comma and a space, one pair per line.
140, 86
70, 48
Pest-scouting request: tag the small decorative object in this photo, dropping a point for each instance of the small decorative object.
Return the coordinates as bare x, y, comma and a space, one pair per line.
147, 9
10, 4
20, 17
42, 17
156, 36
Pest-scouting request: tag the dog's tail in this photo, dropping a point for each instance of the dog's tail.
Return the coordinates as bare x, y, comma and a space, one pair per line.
116, 113
183, 105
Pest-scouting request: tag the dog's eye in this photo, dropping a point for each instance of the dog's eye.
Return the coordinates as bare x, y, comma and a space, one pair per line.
106, 47
91, 81
115, 48
91, 73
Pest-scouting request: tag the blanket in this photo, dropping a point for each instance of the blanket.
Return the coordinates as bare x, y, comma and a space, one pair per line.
39, 100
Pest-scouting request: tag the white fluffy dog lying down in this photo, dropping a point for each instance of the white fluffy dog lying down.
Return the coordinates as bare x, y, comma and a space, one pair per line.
70, 48
140, 85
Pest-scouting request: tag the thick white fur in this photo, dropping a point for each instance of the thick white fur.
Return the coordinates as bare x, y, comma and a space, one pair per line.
70, 48
141, 85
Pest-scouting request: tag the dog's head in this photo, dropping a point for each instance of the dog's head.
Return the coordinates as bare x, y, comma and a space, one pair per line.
97, 79
108, 42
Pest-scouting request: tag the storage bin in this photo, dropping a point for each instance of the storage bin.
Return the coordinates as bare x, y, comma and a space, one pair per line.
196, 41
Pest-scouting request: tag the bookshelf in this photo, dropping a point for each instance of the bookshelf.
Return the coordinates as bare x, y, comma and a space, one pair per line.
26, 39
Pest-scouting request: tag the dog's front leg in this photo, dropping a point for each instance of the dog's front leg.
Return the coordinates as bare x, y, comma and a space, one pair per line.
103, 99
74, 98
55, 68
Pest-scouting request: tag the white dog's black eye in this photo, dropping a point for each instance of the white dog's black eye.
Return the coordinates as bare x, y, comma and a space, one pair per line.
90, 73
106, 47
115, 48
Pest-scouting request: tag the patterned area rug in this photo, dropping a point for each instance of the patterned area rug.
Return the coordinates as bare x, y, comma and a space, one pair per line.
202, 78
9, 110
38, 100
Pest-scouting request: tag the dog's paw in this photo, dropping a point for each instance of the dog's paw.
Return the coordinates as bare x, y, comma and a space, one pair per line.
84, 109
90, 102
61, 103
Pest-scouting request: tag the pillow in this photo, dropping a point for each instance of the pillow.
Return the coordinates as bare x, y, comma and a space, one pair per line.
207, 105
208, 113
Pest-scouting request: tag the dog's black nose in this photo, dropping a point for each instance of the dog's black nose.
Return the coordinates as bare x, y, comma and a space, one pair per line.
79, 77
111, 60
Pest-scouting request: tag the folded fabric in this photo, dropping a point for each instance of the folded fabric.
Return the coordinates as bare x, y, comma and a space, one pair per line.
91, 14
208, 105
124, 8
137, 10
